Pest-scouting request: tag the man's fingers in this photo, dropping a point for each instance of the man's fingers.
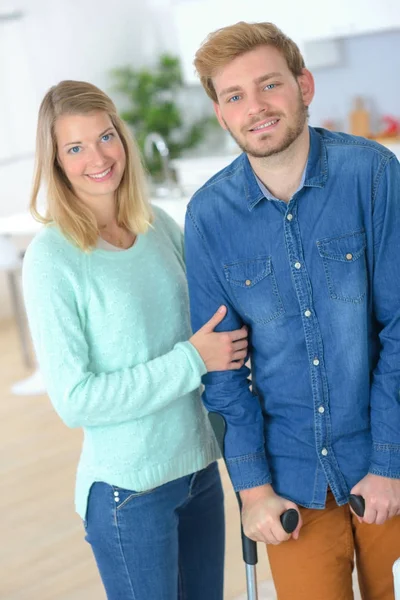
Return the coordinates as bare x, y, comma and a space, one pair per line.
369, 515
381, 517
279, 533
296, 532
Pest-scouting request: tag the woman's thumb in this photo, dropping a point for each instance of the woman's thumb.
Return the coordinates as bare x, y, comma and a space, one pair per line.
215, 319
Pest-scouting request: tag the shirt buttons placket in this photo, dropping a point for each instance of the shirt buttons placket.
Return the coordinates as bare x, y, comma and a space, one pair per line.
324, 452
315, 362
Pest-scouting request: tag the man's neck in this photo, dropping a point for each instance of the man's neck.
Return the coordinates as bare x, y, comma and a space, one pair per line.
281, 173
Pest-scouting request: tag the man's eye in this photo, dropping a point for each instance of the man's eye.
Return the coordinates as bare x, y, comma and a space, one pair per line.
234, 98
270, 86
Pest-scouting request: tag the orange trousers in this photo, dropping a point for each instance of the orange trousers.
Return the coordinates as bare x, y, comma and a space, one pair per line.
319, 565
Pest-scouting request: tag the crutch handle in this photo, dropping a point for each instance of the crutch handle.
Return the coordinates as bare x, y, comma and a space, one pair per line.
289, 519
357, 503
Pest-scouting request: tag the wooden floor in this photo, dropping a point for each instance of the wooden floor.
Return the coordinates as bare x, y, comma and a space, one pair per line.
43, 555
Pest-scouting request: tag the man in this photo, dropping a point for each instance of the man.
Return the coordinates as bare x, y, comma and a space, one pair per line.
299, 238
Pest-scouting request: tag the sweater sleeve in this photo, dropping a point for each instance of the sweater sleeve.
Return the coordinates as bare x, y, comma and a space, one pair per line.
81, 397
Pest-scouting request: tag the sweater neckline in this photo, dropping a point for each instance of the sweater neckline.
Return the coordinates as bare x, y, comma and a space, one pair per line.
136, 248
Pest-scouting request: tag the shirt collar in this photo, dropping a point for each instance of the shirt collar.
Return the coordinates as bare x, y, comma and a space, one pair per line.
268, 195
315, 173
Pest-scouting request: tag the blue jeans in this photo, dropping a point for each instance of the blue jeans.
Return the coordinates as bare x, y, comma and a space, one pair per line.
162, 544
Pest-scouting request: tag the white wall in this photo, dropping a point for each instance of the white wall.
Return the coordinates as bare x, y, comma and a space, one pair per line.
85, 39
64, 39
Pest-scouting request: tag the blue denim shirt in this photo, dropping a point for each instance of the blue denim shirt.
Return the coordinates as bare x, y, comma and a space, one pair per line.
317, 281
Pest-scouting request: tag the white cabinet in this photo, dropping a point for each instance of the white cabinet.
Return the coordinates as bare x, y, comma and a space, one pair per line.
195, 19
344, 18
306, 21
18, 105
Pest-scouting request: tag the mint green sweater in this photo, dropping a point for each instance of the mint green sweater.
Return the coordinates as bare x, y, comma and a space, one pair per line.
110, 331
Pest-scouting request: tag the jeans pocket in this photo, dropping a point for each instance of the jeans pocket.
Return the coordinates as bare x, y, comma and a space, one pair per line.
122, 496
345, 266
254, 286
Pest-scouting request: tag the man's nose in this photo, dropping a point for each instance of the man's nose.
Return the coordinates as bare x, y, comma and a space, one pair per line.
257, 104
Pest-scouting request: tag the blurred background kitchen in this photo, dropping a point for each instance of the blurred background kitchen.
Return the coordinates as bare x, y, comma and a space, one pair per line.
141, 53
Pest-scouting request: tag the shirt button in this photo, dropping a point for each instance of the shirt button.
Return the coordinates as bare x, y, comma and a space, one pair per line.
248, 282
324, 452
307, 313
321, 410
315, 362
349, 256
289, 217
297, 265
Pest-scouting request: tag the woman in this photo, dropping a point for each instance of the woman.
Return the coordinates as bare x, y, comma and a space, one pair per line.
107, 302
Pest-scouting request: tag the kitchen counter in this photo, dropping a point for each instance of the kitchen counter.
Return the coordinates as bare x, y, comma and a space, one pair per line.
23, 224
176, 207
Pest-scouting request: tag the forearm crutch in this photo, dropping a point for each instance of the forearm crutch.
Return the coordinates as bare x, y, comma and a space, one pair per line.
289, 518
357, 503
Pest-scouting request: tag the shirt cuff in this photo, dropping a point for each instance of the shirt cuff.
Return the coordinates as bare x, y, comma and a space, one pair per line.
248, 471
385, 460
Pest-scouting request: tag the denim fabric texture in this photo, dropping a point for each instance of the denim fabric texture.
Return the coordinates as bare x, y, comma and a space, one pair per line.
162, 544
317, 281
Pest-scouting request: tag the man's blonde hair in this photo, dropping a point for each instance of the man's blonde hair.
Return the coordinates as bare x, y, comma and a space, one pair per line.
227, 43
64, 209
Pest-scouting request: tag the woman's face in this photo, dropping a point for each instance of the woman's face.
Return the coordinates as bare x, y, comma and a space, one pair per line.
91, 155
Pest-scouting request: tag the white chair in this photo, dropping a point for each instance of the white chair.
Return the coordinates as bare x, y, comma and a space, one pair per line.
10, 263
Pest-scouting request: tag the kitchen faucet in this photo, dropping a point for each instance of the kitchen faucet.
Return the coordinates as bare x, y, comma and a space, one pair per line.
155, 140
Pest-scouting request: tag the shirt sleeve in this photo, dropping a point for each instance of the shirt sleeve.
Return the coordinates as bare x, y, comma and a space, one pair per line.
81, 397
385, 385
226, 392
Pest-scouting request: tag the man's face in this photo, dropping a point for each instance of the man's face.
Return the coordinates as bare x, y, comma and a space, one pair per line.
261, 103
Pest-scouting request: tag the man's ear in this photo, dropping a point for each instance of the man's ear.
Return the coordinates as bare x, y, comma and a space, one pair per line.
217, 110
307, 86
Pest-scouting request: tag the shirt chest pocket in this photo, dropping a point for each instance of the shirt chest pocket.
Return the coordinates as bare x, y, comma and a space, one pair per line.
345, 266
254, 287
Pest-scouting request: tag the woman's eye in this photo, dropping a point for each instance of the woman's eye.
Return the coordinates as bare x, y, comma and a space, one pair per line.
74, 150
106, 137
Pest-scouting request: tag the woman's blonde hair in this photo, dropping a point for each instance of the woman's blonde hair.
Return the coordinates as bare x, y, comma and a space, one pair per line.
64, 209
227, 43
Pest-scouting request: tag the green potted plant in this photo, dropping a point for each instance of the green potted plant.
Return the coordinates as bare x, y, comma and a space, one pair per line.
152, 107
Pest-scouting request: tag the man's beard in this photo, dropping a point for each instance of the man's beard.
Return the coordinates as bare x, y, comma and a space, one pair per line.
291, 135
